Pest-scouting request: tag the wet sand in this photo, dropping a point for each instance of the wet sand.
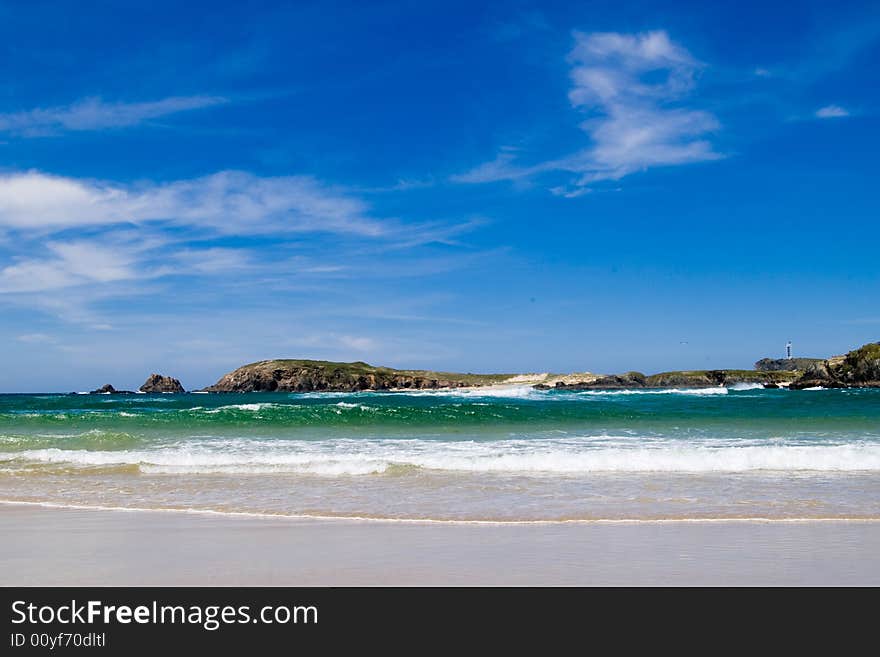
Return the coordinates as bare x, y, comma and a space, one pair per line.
46, 546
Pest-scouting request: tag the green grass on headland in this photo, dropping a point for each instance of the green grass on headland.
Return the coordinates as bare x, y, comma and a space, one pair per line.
719, 377
360, 368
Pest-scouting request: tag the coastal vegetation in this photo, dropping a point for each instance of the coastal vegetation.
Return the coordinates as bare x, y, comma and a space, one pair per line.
321, 375
858, 368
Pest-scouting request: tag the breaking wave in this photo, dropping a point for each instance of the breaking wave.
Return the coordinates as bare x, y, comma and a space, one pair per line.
609, 454
697, 392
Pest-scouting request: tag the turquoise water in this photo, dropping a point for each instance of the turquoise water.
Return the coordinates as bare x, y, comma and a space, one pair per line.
505, 454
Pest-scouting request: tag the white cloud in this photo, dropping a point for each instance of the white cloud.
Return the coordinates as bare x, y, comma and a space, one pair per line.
95, 114
74, 248
36, 338
503, 167
68, 264
213, 260
357, 342
79, 241
831, 112
633, 87
333, 345
228, 202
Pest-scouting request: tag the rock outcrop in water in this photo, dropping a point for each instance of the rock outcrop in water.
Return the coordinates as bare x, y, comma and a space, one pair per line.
860, 368
108, 389
314, 375
156, 383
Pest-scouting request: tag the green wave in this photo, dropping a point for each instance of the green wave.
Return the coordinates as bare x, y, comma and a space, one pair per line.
102, 422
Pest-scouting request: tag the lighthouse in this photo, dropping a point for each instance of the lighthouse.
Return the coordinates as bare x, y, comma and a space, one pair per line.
788, 350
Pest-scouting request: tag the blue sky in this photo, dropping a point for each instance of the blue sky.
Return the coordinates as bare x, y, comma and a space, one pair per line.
505, 186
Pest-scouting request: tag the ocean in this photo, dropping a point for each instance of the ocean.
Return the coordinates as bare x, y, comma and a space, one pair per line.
503, 454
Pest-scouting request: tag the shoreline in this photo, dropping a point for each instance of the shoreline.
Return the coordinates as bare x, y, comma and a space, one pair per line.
69, 547
538, 386
441, 521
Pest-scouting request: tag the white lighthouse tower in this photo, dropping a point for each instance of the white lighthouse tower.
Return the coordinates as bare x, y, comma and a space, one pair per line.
788, 350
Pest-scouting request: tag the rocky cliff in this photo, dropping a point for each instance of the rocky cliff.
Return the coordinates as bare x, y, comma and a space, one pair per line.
682, 379
313, 375
157, 383
708, 378
783, 364
860, 368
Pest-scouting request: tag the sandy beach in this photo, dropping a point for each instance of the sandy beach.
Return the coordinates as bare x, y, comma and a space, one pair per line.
50, 546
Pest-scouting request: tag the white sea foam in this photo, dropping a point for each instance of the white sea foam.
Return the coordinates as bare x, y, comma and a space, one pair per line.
330, 395
362, 407
523, 391
747, 386
242, 407
571, 456
699, 392
500, 391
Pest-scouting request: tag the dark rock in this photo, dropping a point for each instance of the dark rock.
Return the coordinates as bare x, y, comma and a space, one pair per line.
156, 383
680, 379
107, 389
771, 386
785, 364
860, 368
686, 379
715, 378
608, 382
325, 376
818, 370
802, 384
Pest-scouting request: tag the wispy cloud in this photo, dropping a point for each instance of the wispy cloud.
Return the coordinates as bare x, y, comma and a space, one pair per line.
77, 244
358, 342
833, 48
633, 89
229, 202
96, 114
214, 260
36, 338
831, 112
334, 342
75, 233
67, 264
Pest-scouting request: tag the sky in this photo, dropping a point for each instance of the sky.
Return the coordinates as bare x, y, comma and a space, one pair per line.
461, 186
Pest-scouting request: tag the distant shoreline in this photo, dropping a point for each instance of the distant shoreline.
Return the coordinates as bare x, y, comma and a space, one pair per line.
858, 368
488, 388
